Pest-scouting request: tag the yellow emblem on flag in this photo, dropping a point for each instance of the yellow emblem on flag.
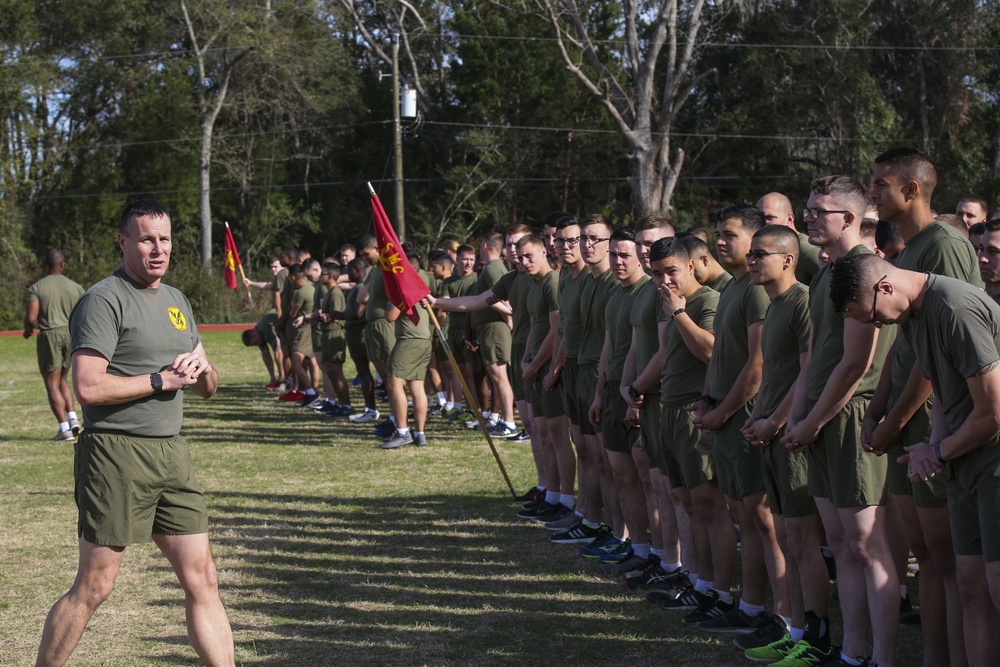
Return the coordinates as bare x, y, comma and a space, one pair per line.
390, 259
177, 318
230, 262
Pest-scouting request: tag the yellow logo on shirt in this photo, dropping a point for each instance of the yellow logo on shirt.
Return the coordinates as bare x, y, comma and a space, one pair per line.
177, 318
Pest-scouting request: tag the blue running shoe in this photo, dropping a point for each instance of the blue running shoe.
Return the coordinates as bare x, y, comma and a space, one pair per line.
604, 545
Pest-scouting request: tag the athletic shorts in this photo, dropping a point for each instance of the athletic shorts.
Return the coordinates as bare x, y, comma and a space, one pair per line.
380, 336
933, 492
409, 358
318, 338
547, 404
335, 349
786, 480
839, 469
738, 464
517, 382
690, 448
494, 342
53, 349
456, 340
974, 502
568, 388
302, 341
356, 344
128, 488
652, 436
618, 436
265, 327
586, 389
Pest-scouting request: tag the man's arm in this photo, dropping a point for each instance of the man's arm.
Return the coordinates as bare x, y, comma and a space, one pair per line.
597, 406
651, 374
548, 345
95, 386
31, 318
915, 393
466, 304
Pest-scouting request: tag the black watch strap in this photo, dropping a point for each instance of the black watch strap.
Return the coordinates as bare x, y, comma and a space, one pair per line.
156, 382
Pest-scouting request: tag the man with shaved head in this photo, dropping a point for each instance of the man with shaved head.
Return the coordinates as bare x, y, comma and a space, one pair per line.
778, 211
972, 209
50, 301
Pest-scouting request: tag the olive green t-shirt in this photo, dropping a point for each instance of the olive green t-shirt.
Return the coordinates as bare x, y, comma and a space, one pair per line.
456, 286
570, 318
513, 288
807, 266
424, 329
140, 330
334, 301
683, 377
491, 273
644, 319
784, 338
938, 249
378, 300
265, 327
285, 287
319, 293
302, 302
543, 298
280, 278
955, 333
593, 300
351, 306
828, 337
720, 283
56, 295
741, 304
617, 316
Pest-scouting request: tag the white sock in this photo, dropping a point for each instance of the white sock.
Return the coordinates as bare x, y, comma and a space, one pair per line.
641, 550
591, 524
787, 621
671, 567
849, 661
751, 609
796, 634
903, 593
724, 596
417, 433
310, 392
566, 499
402, 431
486, 415
494, 416
442, 398
693, 578
703, 586
552, 497
71, 415
450, 405
510, 425
63, 426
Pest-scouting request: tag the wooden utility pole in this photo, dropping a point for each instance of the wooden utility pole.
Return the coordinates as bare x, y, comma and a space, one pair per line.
397, 140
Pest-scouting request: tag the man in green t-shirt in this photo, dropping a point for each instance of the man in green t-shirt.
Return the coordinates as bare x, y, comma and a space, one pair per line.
333, 343
785, 346
988, 253
299, 333
955, 331
135, 348
354, 330
281, 290
707, 269
262, 337
902, 186
777, 210
461, 280
50, 302
832, 393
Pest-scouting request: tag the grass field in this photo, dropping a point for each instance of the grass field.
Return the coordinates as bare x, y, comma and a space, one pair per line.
330, 550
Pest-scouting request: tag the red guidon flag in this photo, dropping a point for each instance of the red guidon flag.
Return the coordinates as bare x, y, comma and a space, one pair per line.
232, 260
403, 285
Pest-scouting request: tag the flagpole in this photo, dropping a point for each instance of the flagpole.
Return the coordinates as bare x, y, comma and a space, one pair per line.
471, 399
244, 276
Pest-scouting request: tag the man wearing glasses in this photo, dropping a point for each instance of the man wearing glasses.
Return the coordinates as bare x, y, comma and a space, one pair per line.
954, 330
902, 186
832, 393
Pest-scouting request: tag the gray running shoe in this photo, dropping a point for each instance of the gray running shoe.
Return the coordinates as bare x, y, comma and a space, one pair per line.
64, 436
419, 439
74, 427
397, 439
366, 417
564, 523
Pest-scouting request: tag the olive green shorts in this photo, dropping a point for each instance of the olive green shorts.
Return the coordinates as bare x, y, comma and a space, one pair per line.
380, 336
128, 488
517, 382
547, 404
568, 388
839, 469
974, 502
586, 384
738, 464
933, 492
456, 340
335, 349
691, 448
265, 326
618, 435
652, 436
786, 480
302, 340
53, 349
318, 339
494, 342
356, 344
409, 358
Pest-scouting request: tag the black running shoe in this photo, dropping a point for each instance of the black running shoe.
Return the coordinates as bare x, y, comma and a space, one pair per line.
536, 510
581, 533
766, 634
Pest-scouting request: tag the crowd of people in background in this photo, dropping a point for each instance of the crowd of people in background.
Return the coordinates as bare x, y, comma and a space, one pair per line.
772, 398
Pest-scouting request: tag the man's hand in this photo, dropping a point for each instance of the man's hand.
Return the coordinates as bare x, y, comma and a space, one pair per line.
672, 301
713, 420
921, 462
632, 402
760, 433
632, 416
596, 411
799, 436
28, 332
550, 380
185, 371
428, 301
297, 322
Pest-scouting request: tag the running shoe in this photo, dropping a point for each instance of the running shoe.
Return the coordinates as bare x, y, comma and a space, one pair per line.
74, 427
308, 400
292, 396
385, 429
605, 545
271, 386
366, 417
535, 510
804, 654
565, 523
501, 430
654, 577
686, 599
533, 494
711, 608
629, 564
397, 440
520, 437
64, 436
557, 512
342, 411
768, 633
772, 652
420, 440
325, 406
735, 620
581, 533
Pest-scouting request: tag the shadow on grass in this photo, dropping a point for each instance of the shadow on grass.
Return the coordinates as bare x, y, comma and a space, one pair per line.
425, 580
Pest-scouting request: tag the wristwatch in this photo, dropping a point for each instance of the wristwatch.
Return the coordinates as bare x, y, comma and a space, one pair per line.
156, 382
937, 453
633, 393
677, 312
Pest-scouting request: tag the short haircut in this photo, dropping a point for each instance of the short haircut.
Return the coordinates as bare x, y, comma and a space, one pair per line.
623, 234
845, 189
751, 218
412, 253
531, 239
597, 219
784, 238
440, 257
304, 255
247, 336
954, 221
568, 221
291, 254
552, 219
518, 228
854, 276
332, 268
494, 241
295, 270
991, 225
886, 234
142, 208
358, 264
668, 246
309, 262
274, 259
465, 248
451, 245
696, 247
976, 199
367, 241
867, 228
977, 229
54, 258
348, 247
911, 164
655, 222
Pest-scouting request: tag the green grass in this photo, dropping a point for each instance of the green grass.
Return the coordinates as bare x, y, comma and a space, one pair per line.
330, 551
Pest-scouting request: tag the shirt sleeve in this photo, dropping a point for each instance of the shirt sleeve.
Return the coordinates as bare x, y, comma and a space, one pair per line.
95, 325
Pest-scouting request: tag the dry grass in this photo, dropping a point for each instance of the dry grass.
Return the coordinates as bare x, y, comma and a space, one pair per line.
330, 551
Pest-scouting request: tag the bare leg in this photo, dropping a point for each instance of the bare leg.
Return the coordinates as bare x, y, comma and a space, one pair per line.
667, 535
67, 391
53, 387
505, 395
982, 641
396, 388
565, 459
207, 623
632, 496
419, 405
936, 529
95, 578
762, 522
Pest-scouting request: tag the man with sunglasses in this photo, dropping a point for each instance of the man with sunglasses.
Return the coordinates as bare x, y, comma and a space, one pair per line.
832, 393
